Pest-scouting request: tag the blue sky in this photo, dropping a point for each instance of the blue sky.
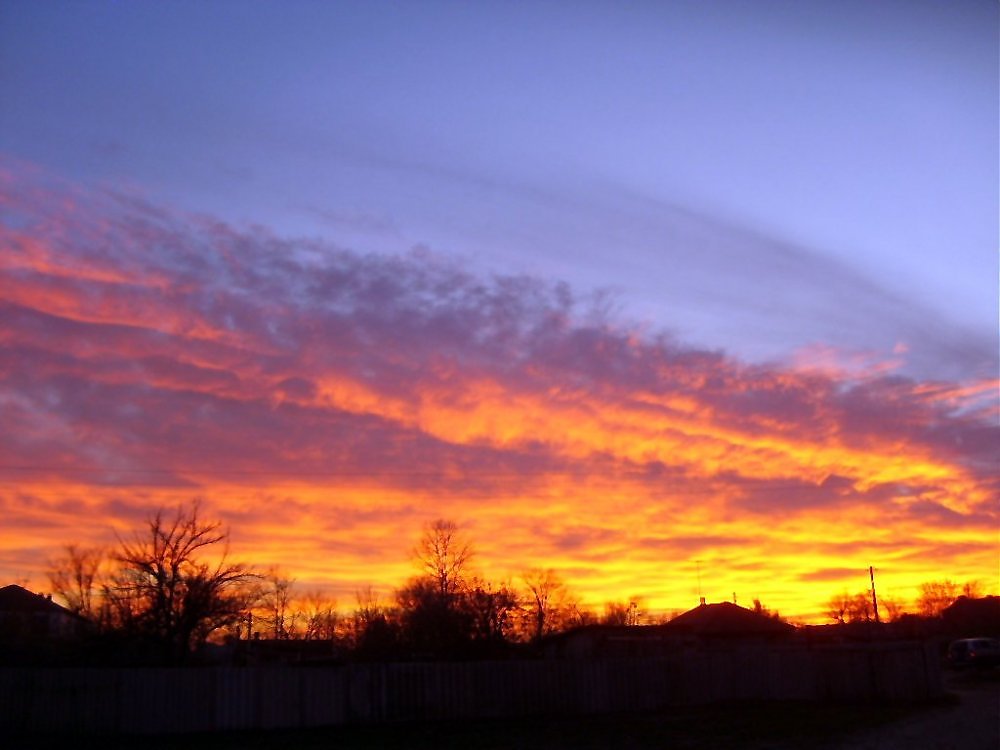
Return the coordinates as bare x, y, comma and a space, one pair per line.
752, 177
611, 284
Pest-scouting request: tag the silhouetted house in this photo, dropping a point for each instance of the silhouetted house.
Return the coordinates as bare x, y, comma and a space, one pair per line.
707, 623
968, 617
24, 614
726, 622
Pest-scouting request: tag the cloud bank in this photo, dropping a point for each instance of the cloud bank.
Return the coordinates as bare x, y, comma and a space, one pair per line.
326, 403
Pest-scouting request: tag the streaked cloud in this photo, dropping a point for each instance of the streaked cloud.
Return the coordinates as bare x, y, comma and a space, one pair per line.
326, 403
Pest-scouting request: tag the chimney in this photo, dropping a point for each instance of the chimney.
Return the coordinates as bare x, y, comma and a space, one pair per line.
701, 603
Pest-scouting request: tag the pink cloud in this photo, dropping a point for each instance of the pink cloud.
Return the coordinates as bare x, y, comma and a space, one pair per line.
149, 349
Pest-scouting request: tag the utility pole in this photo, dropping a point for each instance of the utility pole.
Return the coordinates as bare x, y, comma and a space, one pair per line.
871, 574
701, 599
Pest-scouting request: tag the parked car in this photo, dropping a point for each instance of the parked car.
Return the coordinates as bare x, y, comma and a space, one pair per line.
974, 652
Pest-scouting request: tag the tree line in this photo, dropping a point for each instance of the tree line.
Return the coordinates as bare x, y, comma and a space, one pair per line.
171, 586
933, 599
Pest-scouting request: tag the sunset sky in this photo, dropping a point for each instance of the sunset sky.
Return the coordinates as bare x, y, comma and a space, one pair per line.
626, 290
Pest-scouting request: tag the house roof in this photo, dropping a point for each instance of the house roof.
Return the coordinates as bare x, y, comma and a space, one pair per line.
969, 612
726, 618
14, 598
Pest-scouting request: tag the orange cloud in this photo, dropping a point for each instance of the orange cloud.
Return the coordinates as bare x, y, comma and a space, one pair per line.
327, 404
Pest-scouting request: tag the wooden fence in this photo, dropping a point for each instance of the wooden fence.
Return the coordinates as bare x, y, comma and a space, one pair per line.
196, 700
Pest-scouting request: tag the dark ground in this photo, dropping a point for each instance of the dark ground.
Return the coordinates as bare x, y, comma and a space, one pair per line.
968, 719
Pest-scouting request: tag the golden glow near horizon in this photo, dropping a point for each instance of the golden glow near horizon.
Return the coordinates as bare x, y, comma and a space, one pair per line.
326, 412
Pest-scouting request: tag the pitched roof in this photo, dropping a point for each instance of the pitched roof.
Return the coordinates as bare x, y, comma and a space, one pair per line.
726, 618
978, 614
14, 598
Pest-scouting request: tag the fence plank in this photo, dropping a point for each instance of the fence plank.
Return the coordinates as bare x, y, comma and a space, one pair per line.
190, 700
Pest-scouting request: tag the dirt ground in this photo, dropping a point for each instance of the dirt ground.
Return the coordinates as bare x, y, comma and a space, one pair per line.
969, 722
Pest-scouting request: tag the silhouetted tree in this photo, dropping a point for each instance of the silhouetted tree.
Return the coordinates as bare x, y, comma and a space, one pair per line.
760, 609
973, 590
844, 607
891, 609
861, 608
77, 578
623, 613
837, 606
442, 554
935, 596
432, 623
434, 616
575, 615
275, 604
317, 615
547, 603
375, 627
369, 608
165, 590
491, 610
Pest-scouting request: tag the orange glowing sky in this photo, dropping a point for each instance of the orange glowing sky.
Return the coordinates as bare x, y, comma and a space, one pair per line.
326, 404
